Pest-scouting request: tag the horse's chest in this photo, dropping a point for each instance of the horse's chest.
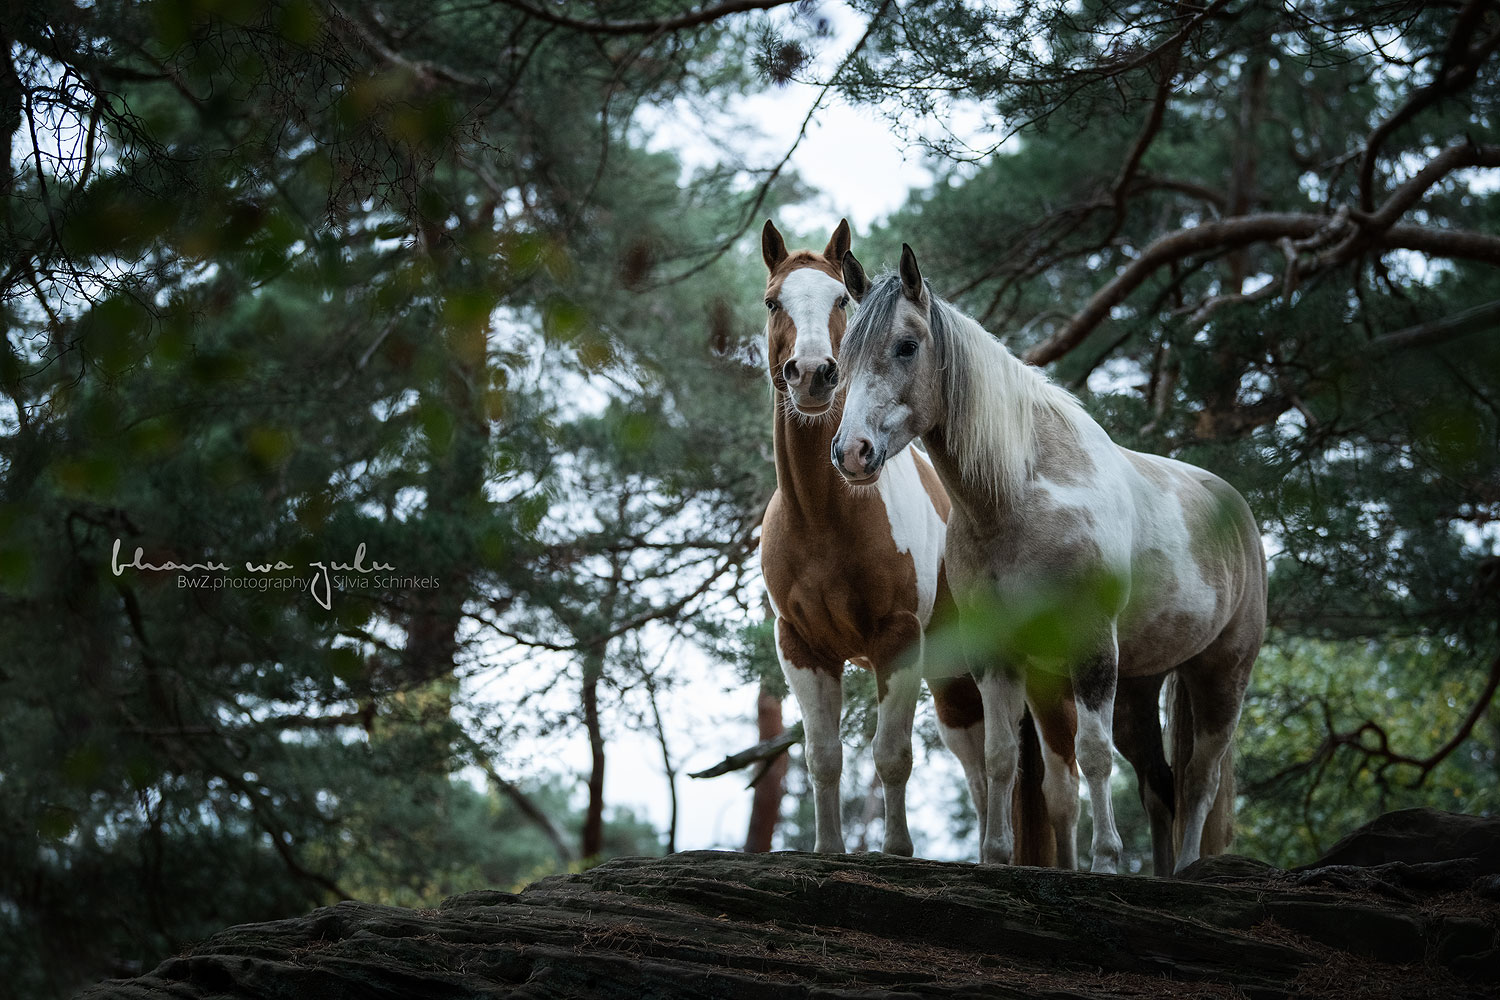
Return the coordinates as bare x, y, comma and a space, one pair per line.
914, 527
838, 580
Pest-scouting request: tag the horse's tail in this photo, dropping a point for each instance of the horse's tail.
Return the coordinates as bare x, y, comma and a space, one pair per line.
1179, 740
1035, 841
1218, 829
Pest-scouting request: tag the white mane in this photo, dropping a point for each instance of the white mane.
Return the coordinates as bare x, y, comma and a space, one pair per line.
993, 400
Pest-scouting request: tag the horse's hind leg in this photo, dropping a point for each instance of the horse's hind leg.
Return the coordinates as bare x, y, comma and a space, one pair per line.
960, 716
1215, 682
818, 687
1138, 737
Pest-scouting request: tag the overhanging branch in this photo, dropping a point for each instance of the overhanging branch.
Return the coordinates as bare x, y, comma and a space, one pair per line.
1438, 331
1368, 231
646, 26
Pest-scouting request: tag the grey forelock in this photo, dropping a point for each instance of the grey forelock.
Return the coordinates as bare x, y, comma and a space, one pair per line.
877, 313
990, 397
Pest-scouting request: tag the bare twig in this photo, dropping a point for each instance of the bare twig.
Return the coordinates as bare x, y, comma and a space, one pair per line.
766, 750
529, 809
763, 190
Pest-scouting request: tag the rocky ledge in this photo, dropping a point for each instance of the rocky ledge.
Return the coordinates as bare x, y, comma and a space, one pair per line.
1407, 907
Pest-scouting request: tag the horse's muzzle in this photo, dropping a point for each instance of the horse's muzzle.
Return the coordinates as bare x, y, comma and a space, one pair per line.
812, 393
856, 458
817, 375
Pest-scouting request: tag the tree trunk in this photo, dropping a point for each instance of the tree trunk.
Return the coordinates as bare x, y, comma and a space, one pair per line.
593, 820
765, 805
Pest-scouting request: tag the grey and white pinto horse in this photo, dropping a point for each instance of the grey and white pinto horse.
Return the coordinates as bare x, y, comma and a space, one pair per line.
1044, 502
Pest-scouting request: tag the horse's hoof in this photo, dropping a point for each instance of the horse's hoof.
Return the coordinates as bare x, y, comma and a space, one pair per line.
995, 855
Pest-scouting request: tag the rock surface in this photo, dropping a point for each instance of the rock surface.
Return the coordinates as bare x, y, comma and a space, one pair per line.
762, 927
1420, 836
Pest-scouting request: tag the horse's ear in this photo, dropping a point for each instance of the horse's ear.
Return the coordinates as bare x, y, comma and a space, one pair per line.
855, 282
838, 243
772, 246
911, 275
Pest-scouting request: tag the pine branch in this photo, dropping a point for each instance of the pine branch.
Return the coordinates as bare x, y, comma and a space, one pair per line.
1459, 68
1440, 331
644, 26
1357, 231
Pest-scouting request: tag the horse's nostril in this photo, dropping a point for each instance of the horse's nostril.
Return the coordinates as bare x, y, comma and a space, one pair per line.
789, 372
831, 376
855, 457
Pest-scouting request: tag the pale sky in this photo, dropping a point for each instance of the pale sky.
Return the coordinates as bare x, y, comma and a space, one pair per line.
862, 172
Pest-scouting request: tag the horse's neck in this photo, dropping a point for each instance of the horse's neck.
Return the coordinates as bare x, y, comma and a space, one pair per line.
968, 498
804, 471
1057, 447
1003, 427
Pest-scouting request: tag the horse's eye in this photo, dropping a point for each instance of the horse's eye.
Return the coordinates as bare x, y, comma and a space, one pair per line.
843, 300
772, 305
906, 349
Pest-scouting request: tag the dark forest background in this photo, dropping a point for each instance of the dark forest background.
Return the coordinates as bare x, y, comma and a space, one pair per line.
281, 277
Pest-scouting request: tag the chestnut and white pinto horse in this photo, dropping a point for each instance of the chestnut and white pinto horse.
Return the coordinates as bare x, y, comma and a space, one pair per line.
854, 575
1044, 502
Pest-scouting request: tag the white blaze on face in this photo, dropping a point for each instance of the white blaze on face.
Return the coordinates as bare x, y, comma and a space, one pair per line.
856, 421
807, 296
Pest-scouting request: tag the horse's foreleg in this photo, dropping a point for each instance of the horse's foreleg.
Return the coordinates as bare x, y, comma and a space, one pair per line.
893, 723
1094, 688
1004, 697
1051, 701
1060, 788
896, 655
967, 744
819, 690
